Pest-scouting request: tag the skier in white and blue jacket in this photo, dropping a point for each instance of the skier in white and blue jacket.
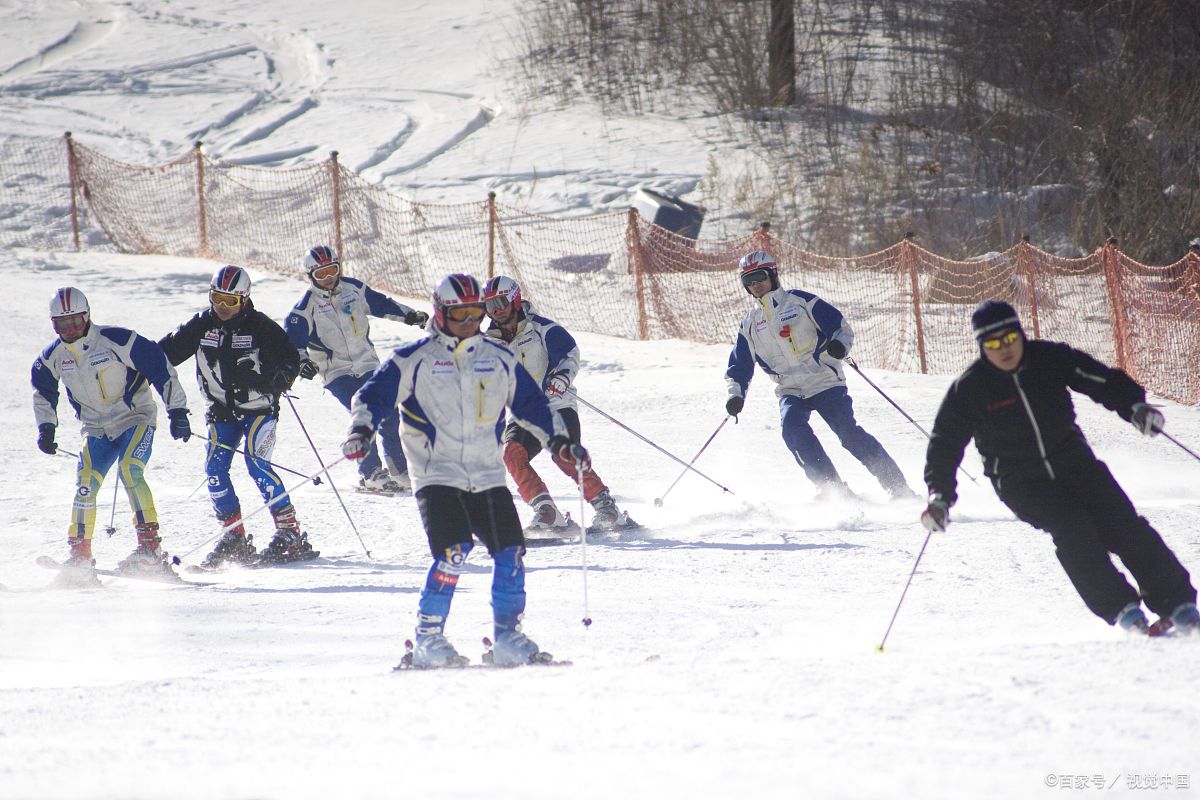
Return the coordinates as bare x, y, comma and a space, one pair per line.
107, 373
453, 389
799, 341
551, 356
331, 329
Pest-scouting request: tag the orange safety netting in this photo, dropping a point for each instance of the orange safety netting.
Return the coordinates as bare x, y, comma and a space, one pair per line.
619, 274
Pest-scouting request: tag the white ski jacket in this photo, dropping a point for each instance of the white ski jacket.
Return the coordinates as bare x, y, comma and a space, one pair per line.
452, 396
332, 328
786, 334
544, 348
107, 374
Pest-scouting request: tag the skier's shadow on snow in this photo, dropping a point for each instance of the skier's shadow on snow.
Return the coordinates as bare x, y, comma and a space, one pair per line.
785, 546
321, 589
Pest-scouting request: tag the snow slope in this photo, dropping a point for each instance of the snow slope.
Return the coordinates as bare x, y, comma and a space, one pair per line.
732, 651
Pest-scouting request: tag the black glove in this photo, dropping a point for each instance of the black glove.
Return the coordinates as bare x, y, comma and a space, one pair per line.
308, 369
733, 406
1147, 419
836, 349
936, 516
248, 375
416, 318
180, 427
564, 449
46, 441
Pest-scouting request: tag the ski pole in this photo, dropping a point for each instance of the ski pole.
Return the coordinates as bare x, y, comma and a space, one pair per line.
61, 452
628, 429
1179, 444
227, 528
883, 394
332, 485
879, 649
658, 501
203, 481
111, 529
316, 479
587, 617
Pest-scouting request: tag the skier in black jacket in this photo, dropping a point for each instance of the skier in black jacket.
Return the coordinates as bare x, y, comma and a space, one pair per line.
244, 361
1014, 401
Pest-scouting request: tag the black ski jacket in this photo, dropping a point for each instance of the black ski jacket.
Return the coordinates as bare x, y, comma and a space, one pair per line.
1023, 422
242, 364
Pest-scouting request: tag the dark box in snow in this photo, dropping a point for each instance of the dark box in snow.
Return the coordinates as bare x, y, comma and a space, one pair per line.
668, 211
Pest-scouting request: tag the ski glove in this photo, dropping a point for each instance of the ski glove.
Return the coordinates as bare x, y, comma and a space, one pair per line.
308, 369
733, 406
558, 384
46, 441
418, 318
836, 349
357, 443
180, 427
1147, 419
936, 516
564, 449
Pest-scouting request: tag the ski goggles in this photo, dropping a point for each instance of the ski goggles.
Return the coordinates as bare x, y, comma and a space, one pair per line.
327, 271
72, 323
474, 313
754, 276
497, 303
1003, 340
225, 299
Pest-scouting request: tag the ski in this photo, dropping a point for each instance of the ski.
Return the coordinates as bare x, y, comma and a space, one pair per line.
406, 662
256, 564
462, 662
623, 525
538, 659
165, 578
380, 492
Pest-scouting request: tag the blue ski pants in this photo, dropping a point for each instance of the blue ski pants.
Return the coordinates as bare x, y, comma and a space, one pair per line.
259, 433
343, 389
835, 407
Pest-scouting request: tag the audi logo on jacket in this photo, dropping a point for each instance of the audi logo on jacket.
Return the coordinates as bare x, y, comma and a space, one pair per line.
1023, 421
242, 364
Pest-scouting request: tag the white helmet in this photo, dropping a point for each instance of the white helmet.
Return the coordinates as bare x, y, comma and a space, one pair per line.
67, 301
455, 290
231, 280
70, 313
320, 257
500, 293
758, 262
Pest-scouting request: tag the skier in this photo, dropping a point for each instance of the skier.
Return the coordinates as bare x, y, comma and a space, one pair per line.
799, 340
107, 372
244, 361
550, 355
1014, 402
329, 327
452, 388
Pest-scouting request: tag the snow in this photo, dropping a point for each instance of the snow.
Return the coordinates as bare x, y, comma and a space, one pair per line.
732, 650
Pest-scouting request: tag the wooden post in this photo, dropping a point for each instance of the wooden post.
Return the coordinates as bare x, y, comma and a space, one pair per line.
908, 261
633, 245
200, 200
491, 209
73, 177
782, 53
1113, 283
1025, 264
335, 178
